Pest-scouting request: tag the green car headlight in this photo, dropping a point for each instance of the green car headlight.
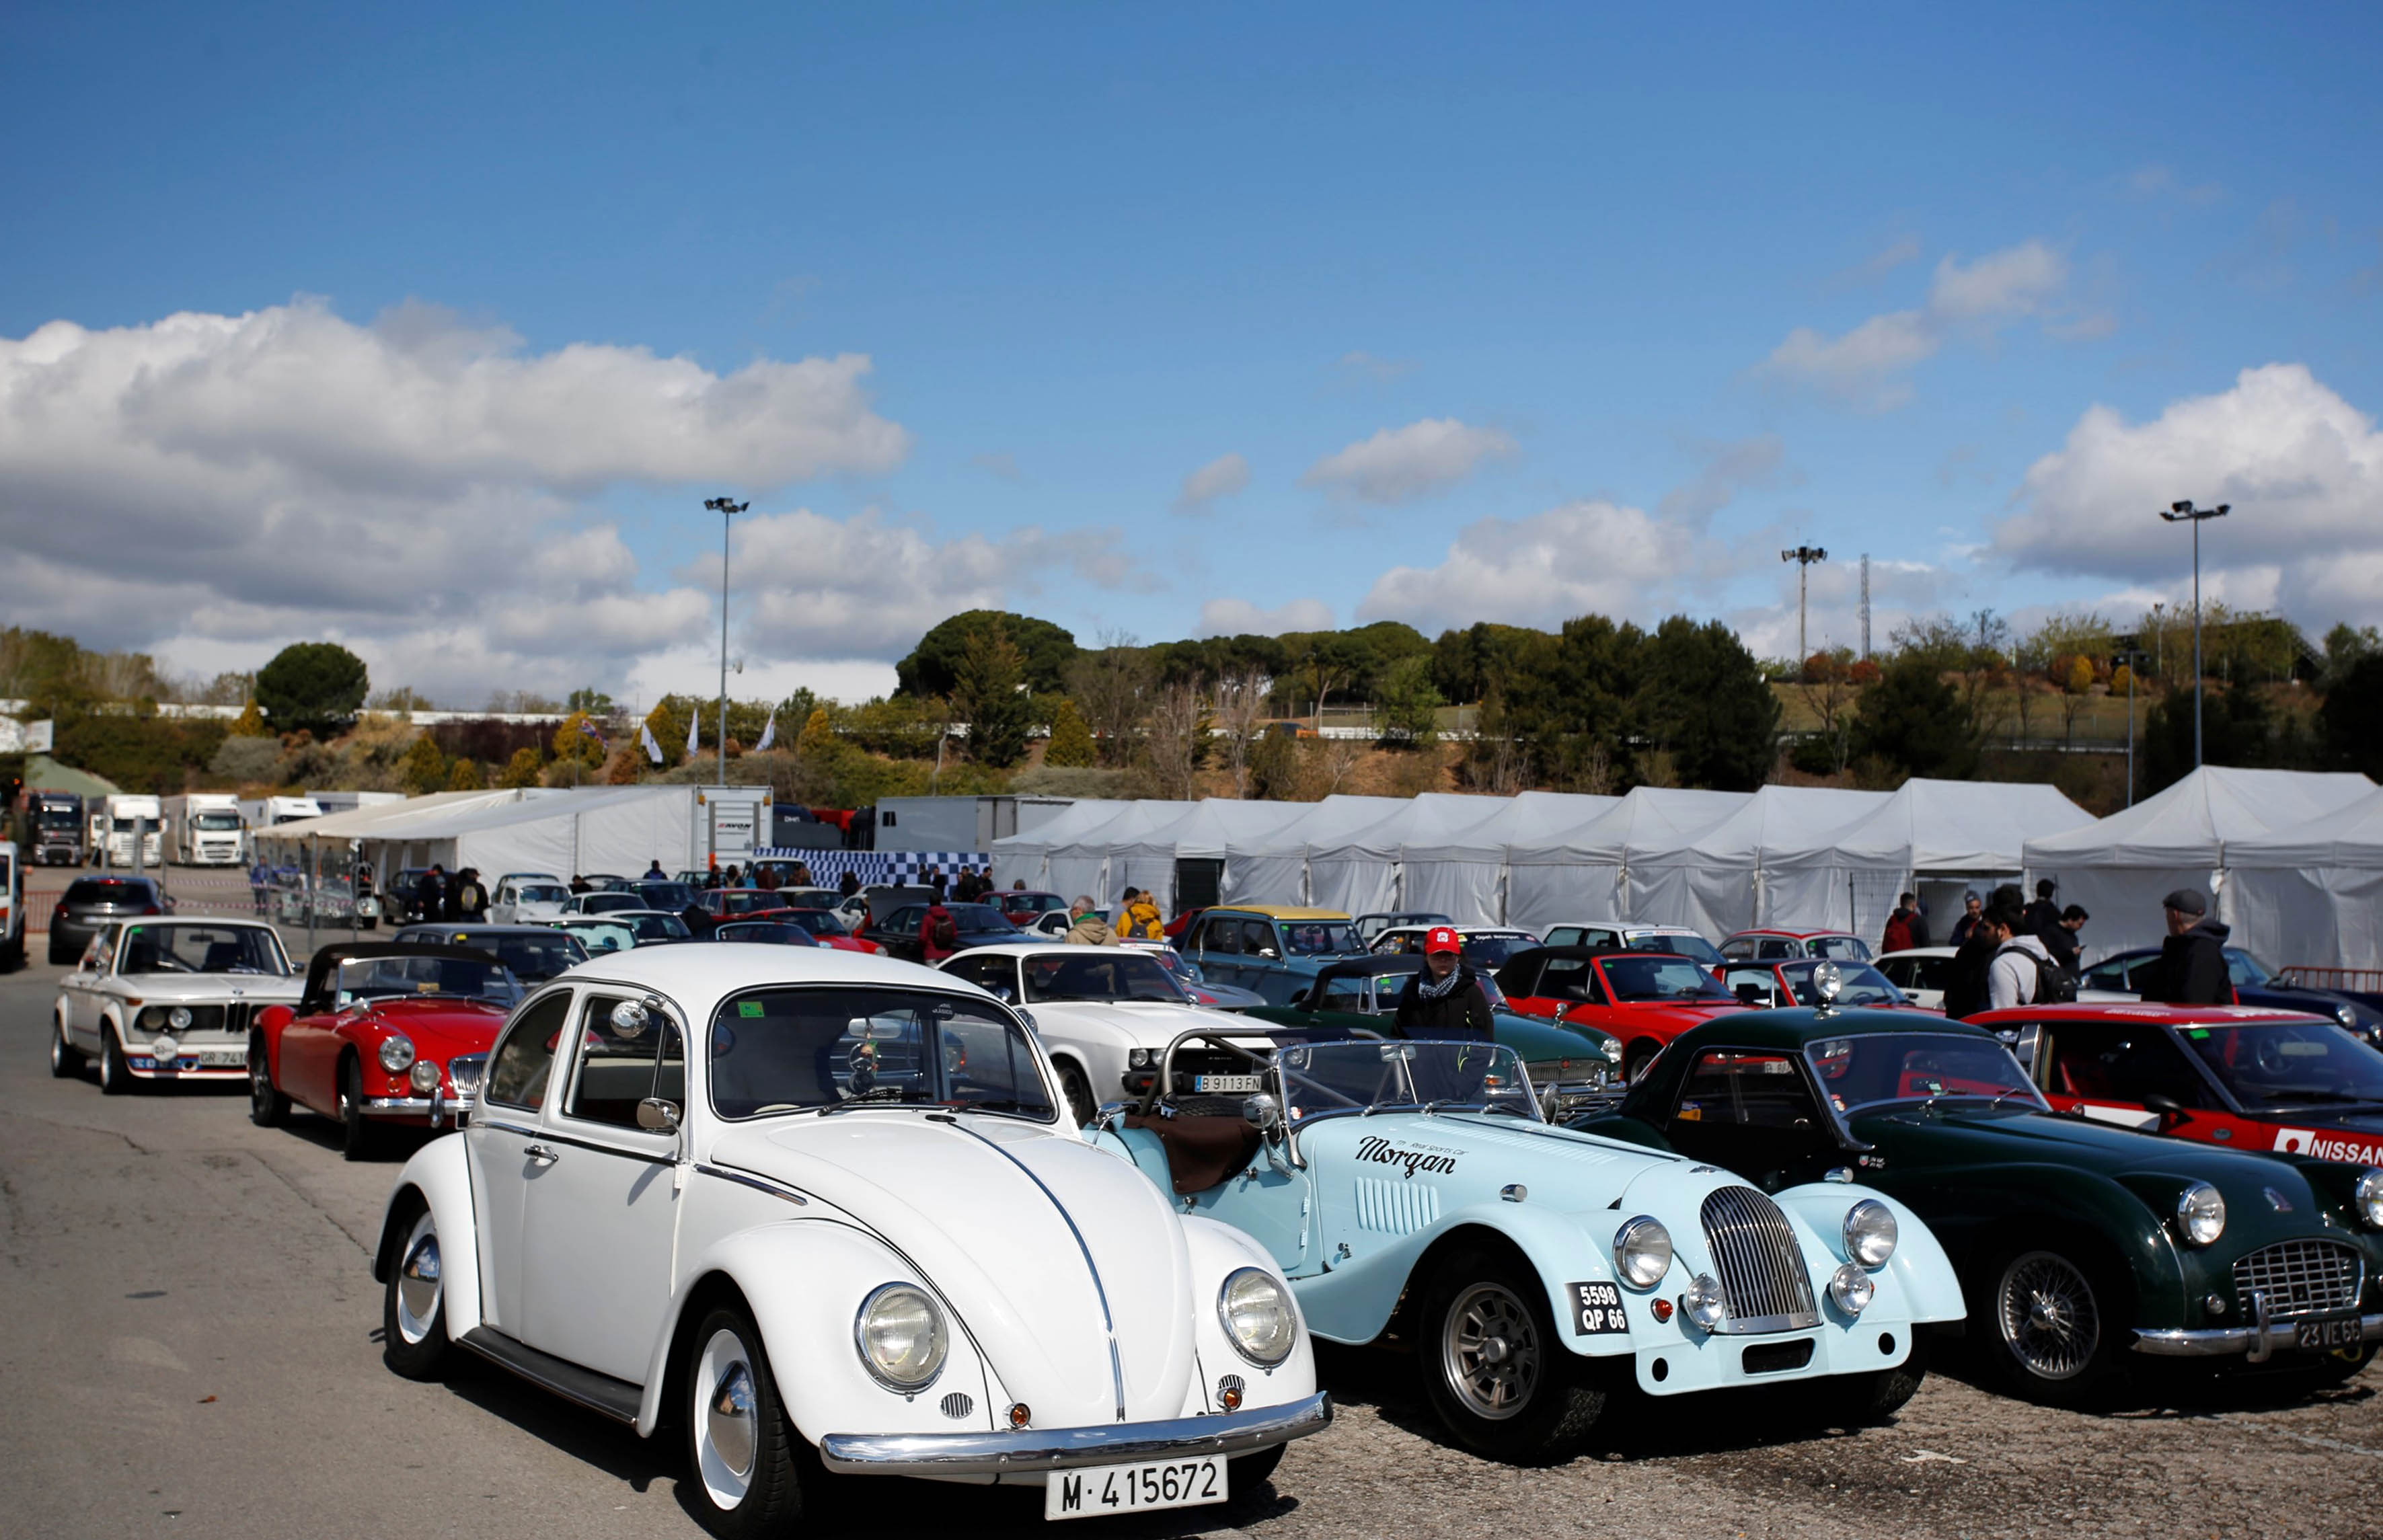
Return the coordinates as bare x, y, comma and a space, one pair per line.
2200, 1214
2370, 1199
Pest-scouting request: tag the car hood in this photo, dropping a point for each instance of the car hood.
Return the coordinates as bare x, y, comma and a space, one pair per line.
1149, 1023
1658, 1010
1001, 1217
261, 988
439, 1029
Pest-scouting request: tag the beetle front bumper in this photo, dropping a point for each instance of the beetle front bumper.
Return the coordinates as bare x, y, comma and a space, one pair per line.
988, 1454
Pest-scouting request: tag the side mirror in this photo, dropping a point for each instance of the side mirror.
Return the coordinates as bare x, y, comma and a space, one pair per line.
1263, 1113
2166, 1106
658, 1117
1269, 953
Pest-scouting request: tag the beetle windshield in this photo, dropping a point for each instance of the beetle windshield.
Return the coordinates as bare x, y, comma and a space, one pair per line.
1635, 979
2288, 1064
204, 949
363, 979
605, 938
1454, 1076
1101, 973
1881, 1069
1860, 985
794, 1049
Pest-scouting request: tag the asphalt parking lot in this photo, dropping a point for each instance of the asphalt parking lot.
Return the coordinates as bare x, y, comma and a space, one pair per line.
191, 1350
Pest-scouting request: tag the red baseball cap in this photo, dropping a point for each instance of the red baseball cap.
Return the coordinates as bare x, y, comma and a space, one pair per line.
1442, 939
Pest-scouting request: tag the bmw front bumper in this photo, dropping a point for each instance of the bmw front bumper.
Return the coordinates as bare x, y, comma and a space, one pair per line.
991, 1454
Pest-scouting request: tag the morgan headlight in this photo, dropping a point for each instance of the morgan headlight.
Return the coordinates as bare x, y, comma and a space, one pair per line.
1642, 1253
900, 1334
2370, 1199
1851, 1289
396, 1053
1703, 1302
1257, 1315
1871, 1233
2200, 1214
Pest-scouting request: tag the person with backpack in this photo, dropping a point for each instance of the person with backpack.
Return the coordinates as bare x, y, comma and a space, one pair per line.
939, 934
1905, 929
2022, 971
1140, 919
471, 898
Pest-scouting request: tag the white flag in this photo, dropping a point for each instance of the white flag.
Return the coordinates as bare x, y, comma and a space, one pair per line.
645, 736
769, 733
693, 717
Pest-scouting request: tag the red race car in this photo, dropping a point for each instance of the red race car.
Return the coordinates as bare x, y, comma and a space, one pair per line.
1645, 999
384, 1034
2246, 1077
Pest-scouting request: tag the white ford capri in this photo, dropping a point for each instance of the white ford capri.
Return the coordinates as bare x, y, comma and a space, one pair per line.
853, 1230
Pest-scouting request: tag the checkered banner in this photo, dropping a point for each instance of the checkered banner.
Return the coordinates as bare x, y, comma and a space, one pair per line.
900, 868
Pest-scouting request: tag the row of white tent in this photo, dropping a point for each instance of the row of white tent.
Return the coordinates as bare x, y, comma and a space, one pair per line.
617, 829
2294, 861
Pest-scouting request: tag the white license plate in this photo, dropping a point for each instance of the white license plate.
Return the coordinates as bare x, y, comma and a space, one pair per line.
1133, 1488
1225, 1084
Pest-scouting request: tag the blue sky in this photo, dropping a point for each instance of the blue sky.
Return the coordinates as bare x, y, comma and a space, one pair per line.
1506, 314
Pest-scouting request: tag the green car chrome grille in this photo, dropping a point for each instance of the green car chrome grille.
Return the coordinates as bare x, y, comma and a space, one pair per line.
2301, 1277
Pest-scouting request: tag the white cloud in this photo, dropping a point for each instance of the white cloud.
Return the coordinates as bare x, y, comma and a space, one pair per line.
2302, 468
1582, 557
1863, 365
1238, 617
1221, 477
1397, 464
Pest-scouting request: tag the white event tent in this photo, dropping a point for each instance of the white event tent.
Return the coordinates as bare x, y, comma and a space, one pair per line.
1272, 868
1716, 881
1582, 872
1217, 829
1464, 873
1362, 871
1026, 855
610, 828
2185, 837
2311, 892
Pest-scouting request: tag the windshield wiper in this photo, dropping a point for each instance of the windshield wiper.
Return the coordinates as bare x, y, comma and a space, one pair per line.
881, 1095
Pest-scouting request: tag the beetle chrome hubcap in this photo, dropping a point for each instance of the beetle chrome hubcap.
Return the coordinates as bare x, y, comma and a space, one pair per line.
2047, 1316
1490, 1351
418, 1283
727, 1419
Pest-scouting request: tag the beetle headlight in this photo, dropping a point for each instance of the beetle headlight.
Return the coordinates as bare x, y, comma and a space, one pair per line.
1701, 1301
1257, 1315
396, 1053
1871, 1233
900, 1333
425, 1077
1642, 1253
2199, 1214
2370, 1199
1851, 1289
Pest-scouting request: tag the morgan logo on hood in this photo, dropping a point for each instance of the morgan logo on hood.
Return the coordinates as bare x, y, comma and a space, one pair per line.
1381, 1152
2327, 1147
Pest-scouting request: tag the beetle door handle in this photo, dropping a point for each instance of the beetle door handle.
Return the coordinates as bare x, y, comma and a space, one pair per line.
541, 1154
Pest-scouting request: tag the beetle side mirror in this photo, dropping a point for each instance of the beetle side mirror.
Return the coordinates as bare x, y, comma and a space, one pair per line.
656, 1116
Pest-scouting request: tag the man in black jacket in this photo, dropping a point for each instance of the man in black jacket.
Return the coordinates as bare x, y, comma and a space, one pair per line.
1445, 1000
2192, 967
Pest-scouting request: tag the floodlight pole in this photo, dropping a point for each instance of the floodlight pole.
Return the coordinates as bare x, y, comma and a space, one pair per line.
1803, 556
2179, 513
728, 509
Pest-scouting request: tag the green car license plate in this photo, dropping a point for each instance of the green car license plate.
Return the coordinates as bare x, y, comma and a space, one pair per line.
1133, 1488
1225, 1085
2328, 1332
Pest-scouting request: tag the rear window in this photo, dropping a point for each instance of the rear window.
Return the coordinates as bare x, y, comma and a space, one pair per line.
106, 889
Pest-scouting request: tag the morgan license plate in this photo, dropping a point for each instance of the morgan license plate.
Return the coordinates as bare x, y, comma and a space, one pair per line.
1133, 1488
2328, 1332
1225, 1084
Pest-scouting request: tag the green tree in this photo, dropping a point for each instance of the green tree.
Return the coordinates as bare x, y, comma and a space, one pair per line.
934, 665
522, 769
1407, 706
315, 685
1573, 707
988, 694
1071, 744
589, 701
1913, 719
465, 776
424, 769
2345, 646
1704, 701
1112, 687
2352, 718
2238, 729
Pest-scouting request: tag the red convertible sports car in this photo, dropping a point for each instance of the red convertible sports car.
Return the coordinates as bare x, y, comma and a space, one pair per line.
1646, 999
383, 1034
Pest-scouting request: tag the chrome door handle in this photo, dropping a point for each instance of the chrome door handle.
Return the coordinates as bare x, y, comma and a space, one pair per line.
541, 1154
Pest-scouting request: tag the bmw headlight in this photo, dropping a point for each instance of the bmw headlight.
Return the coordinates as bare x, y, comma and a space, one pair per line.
1870, 1233
1701, 1301
1850, 1290
1642, 1253
2370, 1199
179, 1018
425, 1077
1257, 1315
396, 1053
152, 1018
2200, 1214
1137, 1058
900, 1334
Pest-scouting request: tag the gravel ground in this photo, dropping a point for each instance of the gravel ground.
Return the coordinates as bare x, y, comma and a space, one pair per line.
191, 1350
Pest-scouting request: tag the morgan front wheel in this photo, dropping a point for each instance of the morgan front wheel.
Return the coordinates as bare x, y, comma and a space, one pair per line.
740, 1450
1497, 1372
413, 1313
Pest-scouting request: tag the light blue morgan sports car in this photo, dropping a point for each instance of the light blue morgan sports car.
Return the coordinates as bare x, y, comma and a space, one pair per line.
1413, 1190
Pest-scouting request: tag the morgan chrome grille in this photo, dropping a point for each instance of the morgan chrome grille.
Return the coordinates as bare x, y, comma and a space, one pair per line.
2301, 1277
1762, 1268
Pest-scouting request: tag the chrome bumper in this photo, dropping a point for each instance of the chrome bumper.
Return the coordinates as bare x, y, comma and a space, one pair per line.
437, 1106
987, 1454
2256, 1343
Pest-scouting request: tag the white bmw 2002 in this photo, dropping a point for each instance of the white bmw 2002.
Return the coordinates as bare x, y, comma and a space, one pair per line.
853, 1230
168, 999
1106, 1014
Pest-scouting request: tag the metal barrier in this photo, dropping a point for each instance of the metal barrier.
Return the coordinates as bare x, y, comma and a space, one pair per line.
2357, 981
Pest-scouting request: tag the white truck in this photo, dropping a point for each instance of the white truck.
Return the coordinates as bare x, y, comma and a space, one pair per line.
288, 810
204, 828
126, 811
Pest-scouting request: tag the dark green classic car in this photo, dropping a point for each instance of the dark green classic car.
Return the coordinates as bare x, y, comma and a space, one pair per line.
1364, 992
2082, 1248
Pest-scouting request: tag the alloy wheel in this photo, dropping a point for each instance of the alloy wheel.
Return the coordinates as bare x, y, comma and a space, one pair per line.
1489, 1351
2047, 1315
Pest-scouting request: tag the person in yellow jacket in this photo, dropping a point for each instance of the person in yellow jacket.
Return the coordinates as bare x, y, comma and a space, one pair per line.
1140, 919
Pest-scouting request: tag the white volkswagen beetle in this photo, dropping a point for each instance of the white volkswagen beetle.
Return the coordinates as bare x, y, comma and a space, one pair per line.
855, 1230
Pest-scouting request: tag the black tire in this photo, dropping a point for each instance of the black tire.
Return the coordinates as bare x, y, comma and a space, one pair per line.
1245, 1473
1859, 1400
65, 1059
12, 957
115, 1073
58, 955
2048, 1321
356, 1131
413, 1308
1494, 1367
767, 1496
1634, 1063
267, 1108
1078, 1092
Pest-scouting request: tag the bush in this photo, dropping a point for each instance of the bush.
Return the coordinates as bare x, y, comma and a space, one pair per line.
249, 761
424, 769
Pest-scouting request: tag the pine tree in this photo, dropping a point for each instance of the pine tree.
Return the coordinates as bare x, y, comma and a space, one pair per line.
522, 769
1072, 740
818, 736
989, 695
465, 776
